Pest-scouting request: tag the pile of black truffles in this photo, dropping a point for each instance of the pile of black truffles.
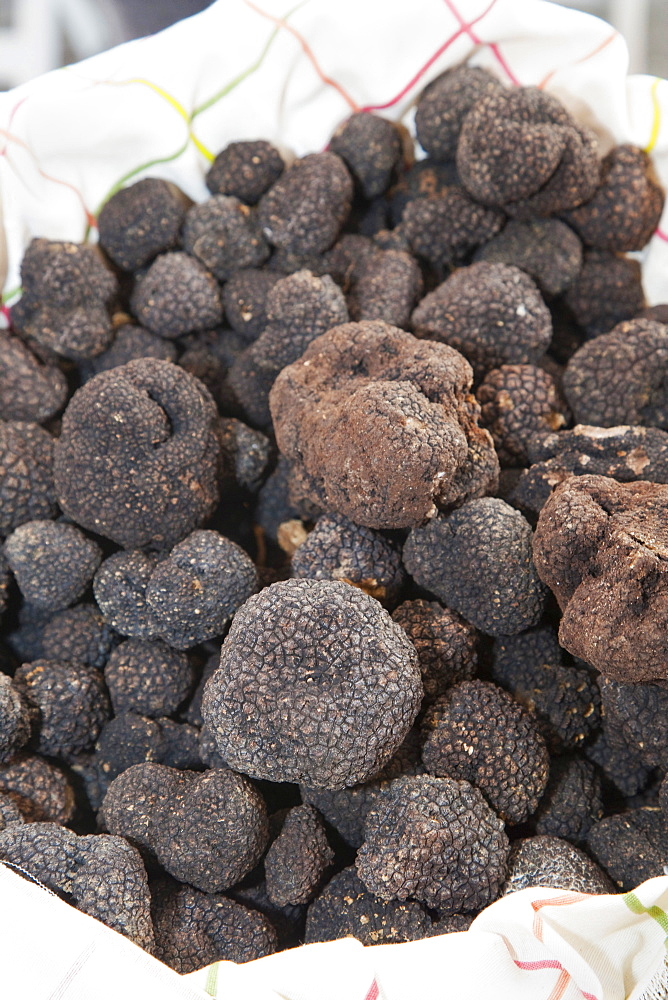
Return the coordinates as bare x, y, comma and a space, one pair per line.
334, 537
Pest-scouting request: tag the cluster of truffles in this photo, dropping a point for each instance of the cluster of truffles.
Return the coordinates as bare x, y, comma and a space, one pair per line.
334, 524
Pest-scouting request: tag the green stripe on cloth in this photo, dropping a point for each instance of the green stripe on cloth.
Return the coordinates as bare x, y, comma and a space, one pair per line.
211, 985
655, 912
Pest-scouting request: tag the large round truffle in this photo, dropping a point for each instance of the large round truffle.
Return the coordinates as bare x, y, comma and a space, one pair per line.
137, 459
381, 426
316, 684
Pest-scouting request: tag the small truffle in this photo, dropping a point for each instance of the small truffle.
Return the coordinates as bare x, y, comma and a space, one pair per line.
39, 788
53, 562
148, 678
245, 297
626, 207
130, 343
445, 102
435, 840
306, 207
478, 562
297, 860
338, 549
555, 864
477, 733
72, 702
446, 645
518, 404
387, 286
371, 148
192, 594
130, 739
640, 713
140, 221
547, 249
100, 875
316, 684
601, 547
346, 908
380, 426
29, 389
205, 829
79, 634
120, 591
137, 459
224, 235
444, 228
620, 377
246, 453
194, 929
492, 313
631, 847
27, 492
177, 295
573, 800
245, 170
607, 291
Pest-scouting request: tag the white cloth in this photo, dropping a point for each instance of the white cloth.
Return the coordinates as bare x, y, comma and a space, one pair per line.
290, 72
537, 944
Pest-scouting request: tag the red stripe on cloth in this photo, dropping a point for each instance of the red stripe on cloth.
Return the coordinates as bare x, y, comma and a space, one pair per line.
493, 46
373, 992
544, 963
662, 236
423, 69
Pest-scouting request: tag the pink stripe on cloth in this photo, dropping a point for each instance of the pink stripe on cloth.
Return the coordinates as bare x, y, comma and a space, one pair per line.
373, 992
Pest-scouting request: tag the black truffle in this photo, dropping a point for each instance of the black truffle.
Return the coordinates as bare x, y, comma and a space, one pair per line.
224, 235
53, 562
15, 719
316, 684
245, 170
478, 733
27, 492
130, 343
148, 678
445, 102
435, 840
245, 297
137, 460
446, 645
478, 562
79, 634
29, 389
387, 286
547, 249
371, 148
140, 221
631, 846
39, 788
572, 801
607, 291
444, 228
205, 829
177, 295
296, 862
120, 591
555, 864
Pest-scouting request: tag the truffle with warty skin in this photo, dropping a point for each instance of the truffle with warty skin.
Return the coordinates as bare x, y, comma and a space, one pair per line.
140, 221
631, 846
148, 678
518, 405
492, 313
29, 388
194, 929
246, 453
208, 830
102, 876
192, 594
386, 286
520, 150
371, 148
626, 206
224, 235
245, 170
15, 719
564, 698
53, 562
607, 291
619, 760
41, 789
640, 712
130, 343
27, 491
478, 561
625, 453
556, 864
137, 460
79, 634
621, 377
9, 812
444, 228
72, 704
445, 102
297, 860
435, 840
120, 591
477, 732
299, 308
345, 908
547, 249
338, 549
177, 295
316, 684
380, 426
602, 548
573, 799
304, 210
446, 645
245, 297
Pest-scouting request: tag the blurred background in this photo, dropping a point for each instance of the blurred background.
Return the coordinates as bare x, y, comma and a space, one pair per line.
38, 35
